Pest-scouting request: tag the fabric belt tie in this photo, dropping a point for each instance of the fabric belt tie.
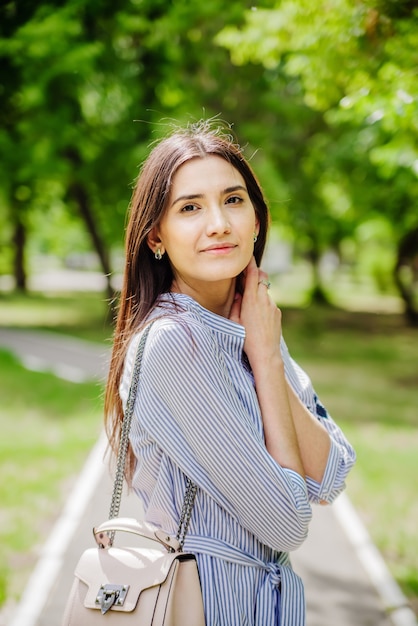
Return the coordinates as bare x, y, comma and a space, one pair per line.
291, 610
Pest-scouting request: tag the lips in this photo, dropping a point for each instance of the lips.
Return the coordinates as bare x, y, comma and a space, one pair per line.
219, 247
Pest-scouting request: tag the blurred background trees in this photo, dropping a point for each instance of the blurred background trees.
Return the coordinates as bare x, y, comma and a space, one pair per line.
323, 95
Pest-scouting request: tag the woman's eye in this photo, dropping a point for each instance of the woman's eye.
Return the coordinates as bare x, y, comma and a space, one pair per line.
234, 200
189, 208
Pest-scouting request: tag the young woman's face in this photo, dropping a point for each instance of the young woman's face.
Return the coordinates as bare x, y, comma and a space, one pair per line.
209, 225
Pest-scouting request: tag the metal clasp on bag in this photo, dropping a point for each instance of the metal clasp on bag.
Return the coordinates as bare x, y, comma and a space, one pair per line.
109, 595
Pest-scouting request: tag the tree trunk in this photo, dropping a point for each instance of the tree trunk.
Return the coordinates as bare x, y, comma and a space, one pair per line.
406, 274
79, 194
19, 242
317, 294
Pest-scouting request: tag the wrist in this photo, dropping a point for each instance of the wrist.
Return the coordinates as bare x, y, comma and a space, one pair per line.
268, 364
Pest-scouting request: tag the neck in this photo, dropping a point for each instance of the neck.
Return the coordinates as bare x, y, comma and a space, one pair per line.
217, 297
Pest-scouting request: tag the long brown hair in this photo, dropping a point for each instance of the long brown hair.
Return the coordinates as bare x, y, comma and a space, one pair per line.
145, 279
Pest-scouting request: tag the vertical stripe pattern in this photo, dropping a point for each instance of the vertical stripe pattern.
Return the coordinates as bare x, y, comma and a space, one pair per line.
197, 415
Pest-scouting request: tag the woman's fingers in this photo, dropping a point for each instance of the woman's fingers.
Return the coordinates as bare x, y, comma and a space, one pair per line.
235, 314
254, 277
251, 276
263, 280
259, 315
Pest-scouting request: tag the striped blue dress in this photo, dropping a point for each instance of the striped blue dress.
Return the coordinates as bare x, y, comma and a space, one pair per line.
197, 415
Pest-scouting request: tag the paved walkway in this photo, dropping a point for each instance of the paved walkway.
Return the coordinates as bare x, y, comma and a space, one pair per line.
334, 563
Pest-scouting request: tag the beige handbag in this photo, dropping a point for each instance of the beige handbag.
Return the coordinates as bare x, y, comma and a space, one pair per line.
146, 586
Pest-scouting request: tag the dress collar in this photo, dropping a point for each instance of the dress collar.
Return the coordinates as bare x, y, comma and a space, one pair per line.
230, 334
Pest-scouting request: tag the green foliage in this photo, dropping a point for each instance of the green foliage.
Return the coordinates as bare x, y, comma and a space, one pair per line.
351, 71
323, 100
86, 86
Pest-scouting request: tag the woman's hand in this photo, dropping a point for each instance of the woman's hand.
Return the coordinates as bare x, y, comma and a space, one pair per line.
294, 437
256, 311
261, 319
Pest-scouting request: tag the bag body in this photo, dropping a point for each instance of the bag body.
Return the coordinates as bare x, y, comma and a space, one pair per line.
135, 585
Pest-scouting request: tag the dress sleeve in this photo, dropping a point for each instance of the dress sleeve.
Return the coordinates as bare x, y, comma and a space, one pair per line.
189, 405
341, 457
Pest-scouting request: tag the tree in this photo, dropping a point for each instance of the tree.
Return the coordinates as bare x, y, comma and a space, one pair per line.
353, 68
87, 85
42, 74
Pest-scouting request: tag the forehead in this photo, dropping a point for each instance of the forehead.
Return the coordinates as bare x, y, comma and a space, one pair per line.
200, 174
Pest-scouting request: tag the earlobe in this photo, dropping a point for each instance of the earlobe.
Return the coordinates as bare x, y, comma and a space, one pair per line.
154, 241
256, 230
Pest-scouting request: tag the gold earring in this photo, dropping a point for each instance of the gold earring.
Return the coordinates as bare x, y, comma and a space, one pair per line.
158, 254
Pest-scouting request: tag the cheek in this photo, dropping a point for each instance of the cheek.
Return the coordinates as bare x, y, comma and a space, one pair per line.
248, 251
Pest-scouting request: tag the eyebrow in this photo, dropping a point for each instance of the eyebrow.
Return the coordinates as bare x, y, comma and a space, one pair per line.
195, 196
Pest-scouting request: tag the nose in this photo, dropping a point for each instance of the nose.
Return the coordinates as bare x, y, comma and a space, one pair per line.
218, 223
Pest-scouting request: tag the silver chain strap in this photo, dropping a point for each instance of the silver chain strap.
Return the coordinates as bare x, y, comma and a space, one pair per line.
126, 426
189, 496
186, 512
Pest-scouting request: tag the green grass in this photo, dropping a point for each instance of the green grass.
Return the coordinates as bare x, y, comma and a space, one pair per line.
48, 426
85, 315
388, 460
363, 365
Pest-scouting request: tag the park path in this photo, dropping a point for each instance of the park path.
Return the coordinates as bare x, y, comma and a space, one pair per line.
346, 582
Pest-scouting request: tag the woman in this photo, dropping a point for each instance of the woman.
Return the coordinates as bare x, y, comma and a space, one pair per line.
220, 400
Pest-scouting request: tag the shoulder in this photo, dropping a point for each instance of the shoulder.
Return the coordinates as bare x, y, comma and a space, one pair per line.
174, 335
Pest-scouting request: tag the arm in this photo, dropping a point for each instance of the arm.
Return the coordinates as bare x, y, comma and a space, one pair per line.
280, 431
314, 454
190, 406
314, 440
293, 437
341, 455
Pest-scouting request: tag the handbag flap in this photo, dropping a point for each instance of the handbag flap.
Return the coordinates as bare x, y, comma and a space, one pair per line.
136, 568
